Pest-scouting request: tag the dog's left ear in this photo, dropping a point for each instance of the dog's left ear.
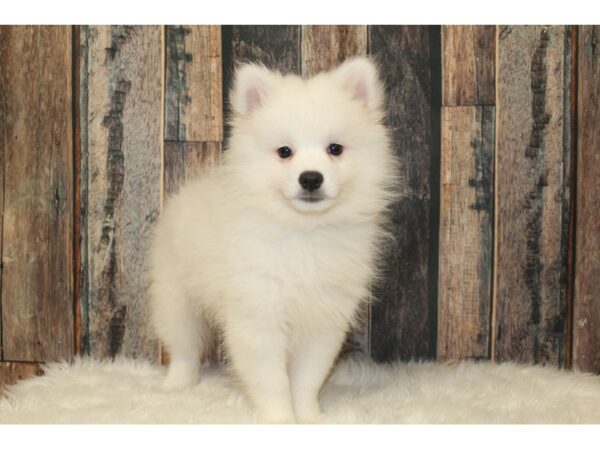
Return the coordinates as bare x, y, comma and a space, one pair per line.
358, 76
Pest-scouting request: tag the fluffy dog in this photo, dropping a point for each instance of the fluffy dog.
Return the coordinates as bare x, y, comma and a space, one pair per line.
277, 246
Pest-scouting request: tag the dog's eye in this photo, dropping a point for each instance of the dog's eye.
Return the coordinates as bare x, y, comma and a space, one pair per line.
335, 149
284, 152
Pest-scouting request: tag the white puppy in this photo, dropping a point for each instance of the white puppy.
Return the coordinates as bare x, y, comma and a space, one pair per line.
278, 245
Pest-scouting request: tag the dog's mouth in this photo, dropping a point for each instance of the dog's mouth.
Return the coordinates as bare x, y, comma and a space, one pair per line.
311, 198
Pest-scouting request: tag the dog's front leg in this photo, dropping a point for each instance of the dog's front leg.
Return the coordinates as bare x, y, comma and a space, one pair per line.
257, 344
310, 365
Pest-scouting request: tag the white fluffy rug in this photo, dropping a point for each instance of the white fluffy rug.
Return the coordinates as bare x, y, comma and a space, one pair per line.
125, 391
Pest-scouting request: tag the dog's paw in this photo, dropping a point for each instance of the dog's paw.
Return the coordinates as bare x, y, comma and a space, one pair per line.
180, 377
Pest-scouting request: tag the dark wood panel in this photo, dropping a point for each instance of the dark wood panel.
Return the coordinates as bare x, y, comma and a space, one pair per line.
3, 30
37, 290
193, 91
404, 315
468, 65
532, 194
122, 184
466, 244
325, 46
586, 325
275, 46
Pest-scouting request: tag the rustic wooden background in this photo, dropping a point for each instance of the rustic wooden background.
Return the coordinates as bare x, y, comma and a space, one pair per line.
498, 252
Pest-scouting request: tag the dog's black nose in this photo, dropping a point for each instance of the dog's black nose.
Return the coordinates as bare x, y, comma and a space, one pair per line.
310, 180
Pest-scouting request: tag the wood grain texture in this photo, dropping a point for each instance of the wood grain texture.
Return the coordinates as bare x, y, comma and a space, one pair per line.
12, 372
468, 65
37, 295
404, 315
586, 325
531, 193
326, 46
193, 91
3, 31
275, 46
122, 152
76, 108
466, 206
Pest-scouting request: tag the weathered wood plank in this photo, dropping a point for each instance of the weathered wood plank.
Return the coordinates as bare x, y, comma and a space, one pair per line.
12, 372
532, 191
466, 206
586, 326
193, 91
404, 315
185, 161
3, 31
77, 202
275, 46
468, 65
325, 46
37, 291
122, 139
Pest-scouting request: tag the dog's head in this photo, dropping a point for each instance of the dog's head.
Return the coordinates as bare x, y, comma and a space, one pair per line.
316, 145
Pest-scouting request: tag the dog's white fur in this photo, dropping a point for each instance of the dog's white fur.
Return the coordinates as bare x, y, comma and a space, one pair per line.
282, 277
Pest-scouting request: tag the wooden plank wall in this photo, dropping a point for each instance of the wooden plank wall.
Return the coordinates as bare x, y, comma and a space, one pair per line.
531, 166
404, 315
497, 249
37, 180
467, 191
586, 326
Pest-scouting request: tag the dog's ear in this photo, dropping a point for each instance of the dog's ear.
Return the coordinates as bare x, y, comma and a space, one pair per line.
251, 87
358, 76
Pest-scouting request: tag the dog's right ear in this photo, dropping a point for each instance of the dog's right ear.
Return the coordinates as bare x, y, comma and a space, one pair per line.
251, 87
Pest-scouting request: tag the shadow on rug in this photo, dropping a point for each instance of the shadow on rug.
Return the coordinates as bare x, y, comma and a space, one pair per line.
125, 391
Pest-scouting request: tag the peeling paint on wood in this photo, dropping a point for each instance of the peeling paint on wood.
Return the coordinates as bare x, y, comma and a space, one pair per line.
193, 91
122, 142
532, 155
465, 292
